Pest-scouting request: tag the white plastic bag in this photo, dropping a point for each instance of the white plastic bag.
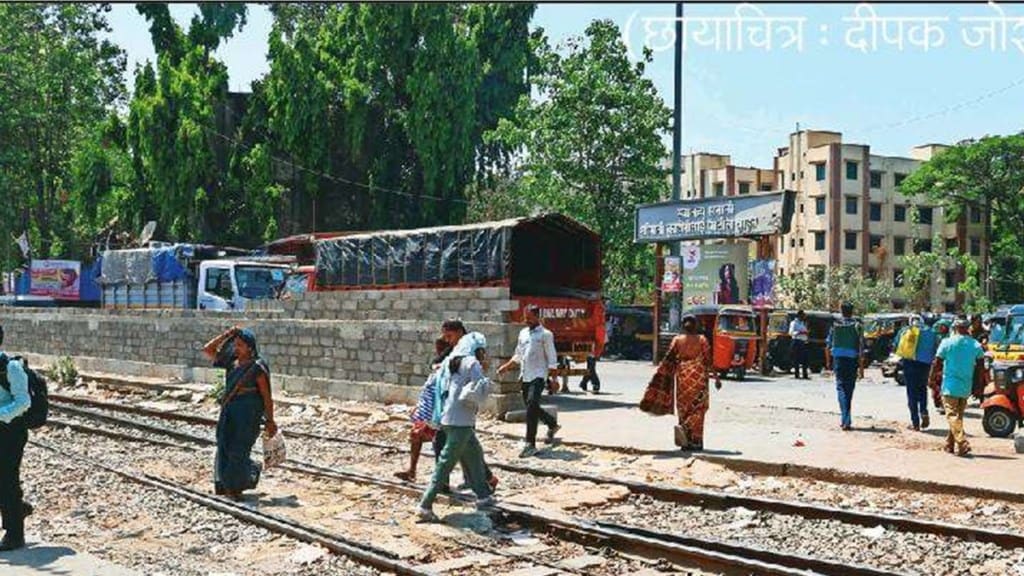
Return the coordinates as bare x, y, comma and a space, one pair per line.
275, 452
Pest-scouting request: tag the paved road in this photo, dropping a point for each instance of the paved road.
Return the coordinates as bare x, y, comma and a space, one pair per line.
763, 419
40, 558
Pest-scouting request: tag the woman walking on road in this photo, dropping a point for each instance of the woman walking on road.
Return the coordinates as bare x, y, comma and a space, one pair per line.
686, 368
245, 402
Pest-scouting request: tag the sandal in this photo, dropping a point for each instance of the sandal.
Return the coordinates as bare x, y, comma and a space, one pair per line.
405, 476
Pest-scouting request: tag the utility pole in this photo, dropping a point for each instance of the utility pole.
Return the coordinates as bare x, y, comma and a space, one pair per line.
677, 155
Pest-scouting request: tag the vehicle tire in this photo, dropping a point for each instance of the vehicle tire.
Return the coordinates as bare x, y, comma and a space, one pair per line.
723, 374
646, 356
784, 366
999, 422
741, 373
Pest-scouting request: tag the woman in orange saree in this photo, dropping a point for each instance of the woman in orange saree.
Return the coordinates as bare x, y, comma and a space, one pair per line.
684, 374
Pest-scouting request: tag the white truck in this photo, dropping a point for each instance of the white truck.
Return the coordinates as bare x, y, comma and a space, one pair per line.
187, 277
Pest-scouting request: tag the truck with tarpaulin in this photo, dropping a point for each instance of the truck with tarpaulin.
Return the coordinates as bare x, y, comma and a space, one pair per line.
187, 276
550, 261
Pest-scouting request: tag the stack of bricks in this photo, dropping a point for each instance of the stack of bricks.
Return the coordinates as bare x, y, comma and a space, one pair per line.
371, 345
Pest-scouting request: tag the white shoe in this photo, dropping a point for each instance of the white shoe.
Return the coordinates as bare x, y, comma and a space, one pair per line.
425, 515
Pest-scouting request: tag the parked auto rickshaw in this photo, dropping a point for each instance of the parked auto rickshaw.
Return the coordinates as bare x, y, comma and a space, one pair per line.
1006, 340
780, 354
880, 331
632, 334
733, 334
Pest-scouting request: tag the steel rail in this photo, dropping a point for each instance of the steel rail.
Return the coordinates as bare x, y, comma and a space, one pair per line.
690, 496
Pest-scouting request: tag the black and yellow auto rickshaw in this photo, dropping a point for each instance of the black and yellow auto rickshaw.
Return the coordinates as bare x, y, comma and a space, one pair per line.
780, 350
631, 332
880, 332
733, 335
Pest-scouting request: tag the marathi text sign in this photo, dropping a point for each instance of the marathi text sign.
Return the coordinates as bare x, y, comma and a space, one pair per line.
56, 278
719, 217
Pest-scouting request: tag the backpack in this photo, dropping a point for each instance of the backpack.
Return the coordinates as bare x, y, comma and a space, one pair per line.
846, 335
39, 409
907, 347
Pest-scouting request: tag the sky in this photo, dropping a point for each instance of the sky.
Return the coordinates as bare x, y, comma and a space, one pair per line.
744, 102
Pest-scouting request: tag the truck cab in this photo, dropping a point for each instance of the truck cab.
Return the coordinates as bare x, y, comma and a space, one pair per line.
229, 284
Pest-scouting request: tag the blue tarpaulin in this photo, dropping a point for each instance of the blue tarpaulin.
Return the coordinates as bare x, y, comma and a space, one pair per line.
24, 284
89, 290
166, 265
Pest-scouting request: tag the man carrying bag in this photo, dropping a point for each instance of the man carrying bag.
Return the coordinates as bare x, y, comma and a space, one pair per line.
14, 402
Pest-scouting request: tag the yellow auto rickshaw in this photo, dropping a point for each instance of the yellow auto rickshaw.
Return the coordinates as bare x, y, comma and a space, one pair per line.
780, 354
733, 334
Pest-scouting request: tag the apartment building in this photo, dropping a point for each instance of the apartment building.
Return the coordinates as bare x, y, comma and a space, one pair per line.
848, 212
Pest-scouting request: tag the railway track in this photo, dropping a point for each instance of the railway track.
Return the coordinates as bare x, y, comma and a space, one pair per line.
690, 496
627, 539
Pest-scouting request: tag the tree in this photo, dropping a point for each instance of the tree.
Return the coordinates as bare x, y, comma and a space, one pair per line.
590, 145
818, 288
378, 110
58, 79
988, 175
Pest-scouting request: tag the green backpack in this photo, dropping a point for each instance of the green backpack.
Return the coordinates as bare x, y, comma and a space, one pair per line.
846, 334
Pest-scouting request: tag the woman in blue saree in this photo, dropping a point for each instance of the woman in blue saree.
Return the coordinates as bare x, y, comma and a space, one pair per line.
245, 403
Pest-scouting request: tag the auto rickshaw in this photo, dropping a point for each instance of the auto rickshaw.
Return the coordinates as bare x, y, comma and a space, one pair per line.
1006, 340
733, 334
780, 353
632, 333
880, 332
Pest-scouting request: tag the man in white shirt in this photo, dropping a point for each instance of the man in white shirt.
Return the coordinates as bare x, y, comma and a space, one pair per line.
14, 401
536, 357
798, 339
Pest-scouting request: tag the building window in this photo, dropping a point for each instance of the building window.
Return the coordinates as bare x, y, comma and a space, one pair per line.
792, 176
851, 205
950, 278
851, 170
899, 245
922, 245
897, 278
975, 246
951, 244
782, 271
876, 241
925, 214
975, 215
801, 207
819, 172
898, 179
801, 242
851, 240
765, 188
899, 213
876, 179
719, 188
876, 212
792, 242
782, 246
819, 206
872, 274
744, 187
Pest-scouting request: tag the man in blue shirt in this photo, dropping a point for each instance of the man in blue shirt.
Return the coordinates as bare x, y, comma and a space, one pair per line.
957, 359
915, 369
14, 401
843, 349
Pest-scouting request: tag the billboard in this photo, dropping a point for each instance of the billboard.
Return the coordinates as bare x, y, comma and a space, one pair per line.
672, 280
719, 217
714, 274
762, 287
60, 279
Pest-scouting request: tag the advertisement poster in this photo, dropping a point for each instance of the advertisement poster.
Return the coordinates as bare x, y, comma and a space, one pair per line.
718, 276
672, 280
762, 288
59, 279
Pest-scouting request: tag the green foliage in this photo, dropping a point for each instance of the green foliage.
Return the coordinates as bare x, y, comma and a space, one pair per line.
58, 80
987, 174
818, 288
64, 371
590, 146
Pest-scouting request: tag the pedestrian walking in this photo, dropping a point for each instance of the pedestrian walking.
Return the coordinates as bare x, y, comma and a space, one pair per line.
942, 329
14, 402
798, 335
957, 359
536, 357
843, 350
685, 370
591, 376
423, 429
464, 389
245, 402
916, 345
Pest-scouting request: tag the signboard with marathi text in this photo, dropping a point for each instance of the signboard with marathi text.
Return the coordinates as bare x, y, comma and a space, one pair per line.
60, 279
719, 217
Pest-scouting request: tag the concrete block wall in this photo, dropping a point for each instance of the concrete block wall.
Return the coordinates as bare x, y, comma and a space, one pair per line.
377, 351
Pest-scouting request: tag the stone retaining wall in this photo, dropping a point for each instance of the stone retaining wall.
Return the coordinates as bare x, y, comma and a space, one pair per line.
365, 345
